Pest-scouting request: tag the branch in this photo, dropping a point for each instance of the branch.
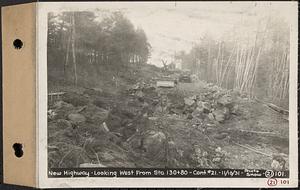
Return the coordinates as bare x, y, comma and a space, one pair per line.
258, 132
252, 149
274, 107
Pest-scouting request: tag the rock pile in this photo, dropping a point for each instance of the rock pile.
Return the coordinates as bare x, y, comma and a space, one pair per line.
215, 105
97, 126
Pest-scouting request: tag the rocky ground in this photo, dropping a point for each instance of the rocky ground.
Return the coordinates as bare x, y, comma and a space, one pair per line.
136, 124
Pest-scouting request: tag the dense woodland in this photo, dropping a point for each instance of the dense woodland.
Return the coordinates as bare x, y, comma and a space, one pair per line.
255, 62
79, 44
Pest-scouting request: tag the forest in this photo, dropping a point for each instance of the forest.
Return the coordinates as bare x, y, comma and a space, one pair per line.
79, 45
254, 62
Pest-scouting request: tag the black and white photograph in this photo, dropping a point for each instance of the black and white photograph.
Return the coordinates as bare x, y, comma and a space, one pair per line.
169, 85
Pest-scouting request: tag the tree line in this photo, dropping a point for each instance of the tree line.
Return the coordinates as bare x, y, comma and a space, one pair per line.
78, 40
255, 63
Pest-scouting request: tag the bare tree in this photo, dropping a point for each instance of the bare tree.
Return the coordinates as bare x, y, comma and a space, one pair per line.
73, 48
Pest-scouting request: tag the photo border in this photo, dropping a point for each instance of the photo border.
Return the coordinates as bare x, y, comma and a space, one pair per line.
43, 181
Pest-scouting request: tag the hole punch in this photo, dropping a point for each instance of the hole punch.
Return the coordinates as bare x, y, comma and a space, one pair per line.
18, 147
18, 44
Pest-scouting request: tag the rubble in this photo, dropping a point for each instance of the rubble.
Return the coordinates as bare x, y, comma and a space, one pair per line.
201, 157
279, 162
76, 118
214, 109
155, 127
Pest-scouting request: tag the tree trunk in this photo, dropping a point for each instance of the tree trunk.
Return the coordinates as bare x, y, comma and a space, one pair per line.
67, 53
73, 49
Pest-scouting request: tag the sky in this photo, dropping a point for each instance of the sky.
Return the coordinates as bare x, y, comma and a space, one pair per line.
175, 26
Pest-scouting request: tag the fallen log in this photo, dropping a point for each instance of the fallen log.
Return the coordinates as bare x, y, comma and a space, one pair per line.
278, 109
253, 149
274, 107
81, 109
259, 132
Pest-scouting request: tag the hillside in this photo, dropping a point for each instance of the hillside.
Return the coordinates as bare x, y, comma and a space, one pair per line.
126, 121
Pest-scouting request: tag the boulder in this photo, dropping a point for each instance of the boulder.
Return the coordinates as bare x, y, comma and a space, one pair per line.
217, 159
61, 104
219, 115
154, 142
194, 97
189, 101
95, 114
114, 122
135, 87
149, 89
190, 116
75, 99
220, 152
158, 109
218, 149
93, 91
206, 106
279, 162
220, 136
76, 118
215, 88
198, 112
63, 124
276, 165
199, 103
140, 94
225, 100
235, 110
211, 116
226, 112
100, 103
